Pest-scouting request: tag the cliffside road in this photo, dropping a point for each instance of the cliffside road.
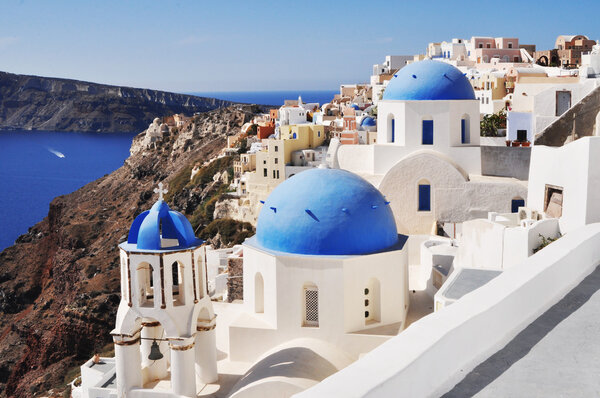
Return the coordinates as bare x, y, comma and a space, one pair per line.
44, 103
59, 284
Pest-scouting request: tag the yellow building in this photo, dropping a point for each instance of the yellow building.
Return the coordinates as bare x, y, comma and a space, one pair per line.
271, 162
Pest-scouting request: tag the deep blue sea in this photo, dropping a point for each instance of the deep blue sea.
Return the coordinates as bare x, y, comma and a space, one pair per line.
32, 172
272, 97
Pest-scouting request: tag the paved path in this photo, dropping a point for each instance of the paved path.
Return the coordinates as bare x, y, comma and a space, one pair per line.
558, 355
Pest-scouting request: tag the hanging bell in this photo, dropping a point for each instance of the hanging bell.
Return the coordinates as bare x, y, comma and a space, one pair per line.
155, 353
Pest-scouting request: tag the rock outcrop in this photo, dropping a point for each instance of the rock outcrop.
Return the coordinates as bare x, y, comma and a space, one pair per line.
59, 284
44, 103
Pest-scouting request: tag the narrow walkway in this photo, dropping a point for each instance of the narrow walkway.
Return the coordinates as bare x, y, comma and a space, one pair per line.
557, 355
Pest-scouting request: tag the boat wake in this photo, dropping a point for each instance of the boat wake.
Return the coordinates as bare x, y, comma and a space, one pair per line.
55, 152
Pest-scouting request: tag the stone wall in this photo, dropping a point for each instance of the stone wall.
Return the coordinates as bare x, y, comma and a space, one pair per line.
577, 122
503, 161
235, 281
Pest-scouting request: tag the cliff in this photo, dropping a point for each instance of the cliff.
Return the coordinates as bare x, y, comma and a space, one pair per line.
59, 284
44, 103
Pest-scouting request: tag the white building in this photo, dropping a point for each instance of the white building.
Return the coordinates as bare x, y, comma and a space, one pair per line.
427, 160
327, 265
165, 321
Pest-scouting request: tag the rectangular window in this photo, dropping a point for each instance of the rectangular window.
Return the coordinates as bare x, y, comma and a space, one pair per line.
277, 174
276, 160
427, 132
424, 197
311, 306
273, 173
463, 132
276, 148
265, 172
515, 204
393, 129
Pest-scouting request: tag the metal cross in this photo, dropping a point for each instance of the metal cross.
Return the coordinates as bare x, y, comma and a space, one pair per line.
160, 191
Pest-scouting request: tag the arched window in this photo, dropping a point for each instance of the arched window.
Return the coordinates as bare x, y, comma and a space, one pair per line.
178, 288
424, 196
427, 138
516, 203
505, 58
145, 284
372, 301
294, 136
259, 293
465, 137
310, 295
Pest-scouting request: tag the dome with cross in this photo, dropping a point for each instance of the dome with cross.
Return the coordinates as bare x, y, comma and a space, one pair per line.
161, 228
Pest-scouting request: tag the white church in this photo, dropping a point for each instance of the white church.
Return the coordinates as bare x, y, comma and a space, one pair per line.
329, 277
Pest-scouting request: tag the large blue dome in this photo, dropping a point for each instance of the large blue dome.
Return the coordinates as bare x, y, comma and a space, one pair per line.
429, 80
326, 212
161, 228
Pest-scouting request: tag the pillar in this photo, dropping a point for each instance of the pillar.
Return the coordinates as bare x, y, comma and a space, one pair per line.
154, 370
128, 363
183, 381
206, 352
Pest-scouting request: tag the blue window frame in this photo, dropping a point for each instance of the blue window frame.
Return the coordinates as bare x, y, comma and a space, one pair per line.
463, 131
393, 130
424, 197
427, 132
515, 204
294, 136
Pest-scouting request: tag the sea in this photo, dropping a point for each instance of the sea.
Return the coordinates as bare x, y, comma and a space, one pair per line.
37, 166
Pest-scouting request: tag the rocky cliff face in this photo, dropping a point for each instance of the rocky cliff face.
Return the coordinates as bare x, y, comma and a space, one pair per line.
59, 284
43, 103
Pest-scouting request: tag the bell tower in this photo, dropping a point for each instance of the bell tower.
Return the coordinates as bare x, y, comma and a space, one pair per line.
165, 319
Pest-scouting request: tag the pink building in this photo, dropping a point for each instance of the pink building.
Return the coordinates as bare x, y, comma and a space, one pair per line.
483, 49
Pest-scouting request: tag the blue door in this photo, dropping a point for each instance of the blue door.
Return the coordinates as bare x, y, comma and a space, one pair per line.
427, 132
424, 197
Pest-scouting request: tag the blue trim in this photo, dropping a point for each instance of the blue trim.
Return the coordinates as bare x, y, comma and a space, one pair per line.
463, 131
393, 130
427, 132
424, 197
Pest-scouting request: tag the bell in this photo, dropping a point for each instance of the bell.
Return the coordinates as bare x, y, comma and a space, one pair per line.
155, 353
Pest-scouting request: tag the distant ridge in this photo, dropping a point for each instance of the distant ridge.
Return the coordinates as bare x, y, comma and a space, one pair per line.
54, 104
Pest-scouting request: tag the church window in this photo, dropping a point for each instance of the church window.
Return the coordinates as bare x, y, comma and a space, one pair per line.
424, 197
372, 301
311, 306
464, 130
178, 285
145, 282
427, 132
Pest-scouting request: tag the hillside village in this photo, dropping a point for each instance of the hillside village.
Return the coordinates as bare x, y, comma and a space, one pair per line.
389, 211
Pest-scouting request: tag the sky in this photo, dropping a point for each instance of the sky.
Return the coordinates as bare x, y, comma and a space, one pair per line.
195, 46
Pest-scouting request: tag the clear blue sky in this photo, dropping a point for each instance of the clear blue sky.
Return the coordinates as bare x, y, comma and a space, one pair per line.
257, 45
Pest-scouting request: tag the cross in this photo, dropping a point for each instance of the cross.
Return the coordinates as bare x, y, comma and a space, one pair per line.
160, 191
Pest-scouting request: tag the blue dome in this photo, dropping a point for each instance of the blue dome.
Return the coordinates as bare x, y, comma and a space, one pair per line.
177, 232
356, 107
368, 121
429, 80
326, 212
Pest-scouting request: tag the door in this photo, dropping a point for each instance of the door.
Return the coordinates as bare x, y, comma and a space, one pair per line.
563, 102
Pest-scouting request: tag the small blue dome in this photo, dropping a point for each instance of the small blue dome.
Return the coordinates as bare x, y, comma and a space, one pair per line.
368, 122
326, 212
429, 80
161, 228
356, 107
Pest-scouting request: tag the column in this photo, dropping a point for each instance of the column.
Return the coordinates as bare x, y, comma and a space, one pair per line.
183, 381
128, 363
155, 370
206, 352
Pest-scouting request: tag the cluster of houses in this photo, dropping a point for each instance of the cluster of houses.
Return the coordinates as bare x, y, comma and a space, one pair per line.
392, 241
